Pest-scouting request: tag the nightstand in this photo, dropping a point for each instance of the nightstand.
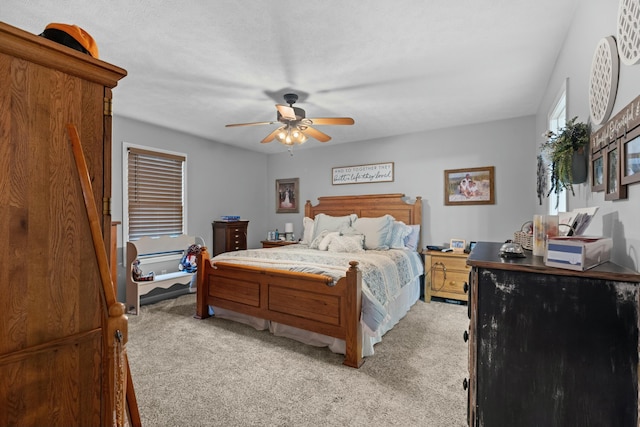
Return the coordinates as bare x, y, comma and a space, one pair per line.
446, 275
276, 243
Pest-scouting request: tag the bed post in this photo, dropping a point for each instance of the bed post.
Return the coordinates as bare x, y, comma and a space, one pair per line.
203, 261
353, 338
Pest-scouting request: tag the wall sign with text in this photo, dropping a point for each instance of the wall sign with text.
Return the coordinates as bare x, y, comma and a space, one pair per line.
362, 174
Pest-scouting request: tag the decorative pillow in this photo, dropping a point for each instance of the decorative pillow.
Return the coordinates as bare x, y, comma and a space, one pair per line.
331, 223
324, 243
316, 241
411, 241
376, 231
307, 234
399, 232
351, 243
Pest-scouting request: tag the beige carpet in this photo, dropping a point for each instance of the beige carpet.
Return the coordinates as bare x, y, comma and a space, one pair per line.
214, 372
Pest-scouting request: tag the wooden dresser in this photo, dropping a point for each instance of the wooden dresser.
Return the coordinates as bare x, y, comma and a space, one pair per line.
229, 236
551, 347
446, 275
57, 364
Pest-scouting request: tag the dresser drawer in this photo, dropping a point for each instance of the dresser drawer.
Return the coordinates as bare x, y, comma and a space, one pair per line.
452, 262
449, 281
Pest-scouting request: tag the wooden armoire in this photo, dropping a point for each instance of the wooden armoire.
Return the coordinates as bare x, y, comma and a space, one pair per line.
60, 363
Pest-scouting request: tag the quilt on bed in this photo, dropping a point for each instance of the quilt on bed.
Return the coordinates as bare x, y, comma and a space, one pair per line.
384, 272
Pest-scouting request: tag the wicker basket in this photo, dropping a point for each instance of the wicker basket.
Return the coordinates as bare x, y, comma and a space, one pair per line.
524, 237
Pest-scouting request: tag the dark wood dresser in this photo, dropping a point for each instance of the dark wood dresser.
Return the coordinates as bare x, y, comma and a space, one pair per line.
229, 236
551, 347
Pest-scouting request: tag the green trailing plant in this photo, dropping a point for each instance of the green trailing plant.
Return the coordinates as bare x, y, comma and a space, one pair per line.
559, 151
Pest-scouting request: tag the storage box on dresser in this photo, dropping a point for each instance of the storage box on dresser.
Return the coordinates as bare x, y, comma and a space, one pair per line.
57, 363
229, 236
550, 346
446, 275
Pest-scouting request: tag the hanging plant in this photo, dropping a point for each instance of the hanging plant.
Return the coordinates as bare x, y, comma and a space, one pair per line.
559, 151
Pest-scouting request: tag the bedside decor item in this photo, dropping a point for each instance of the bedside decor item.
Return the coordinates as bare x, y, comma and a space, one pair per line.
287, 195
362, 174
567, 154
524, 237
471, 186
629, 31
603, 84
288, 231
544, 227
457, 245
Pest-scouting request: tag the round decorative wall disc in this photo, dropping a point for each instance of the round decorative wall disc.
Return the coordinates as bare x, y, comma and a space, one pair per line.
603, 84
629, 31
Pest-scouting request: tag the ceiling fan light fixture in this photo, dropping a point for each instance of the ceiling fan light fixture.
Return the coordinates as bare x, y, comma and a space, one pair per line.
295, 127
291, 135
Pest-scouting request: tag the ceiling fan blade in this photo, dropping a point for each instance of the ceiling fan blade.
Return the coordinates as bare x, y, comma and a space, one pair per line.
315, 133
249, 124
271, 136
287, 113
332, 121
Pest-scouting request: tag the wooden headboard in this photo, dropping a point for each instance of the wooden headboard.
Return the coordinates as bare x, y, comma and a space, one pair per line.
368, 206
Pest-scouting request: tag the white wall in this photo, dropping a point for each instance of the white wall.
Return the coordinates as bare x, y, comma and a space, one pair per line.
594, 20
419, 164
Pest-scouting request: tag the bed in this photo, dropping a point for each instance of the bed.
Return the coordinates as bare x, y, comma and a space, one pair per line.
311, 304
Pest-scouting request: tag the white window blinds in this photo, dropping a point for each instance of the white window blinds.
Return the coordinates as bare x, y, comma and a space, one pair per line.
155, 193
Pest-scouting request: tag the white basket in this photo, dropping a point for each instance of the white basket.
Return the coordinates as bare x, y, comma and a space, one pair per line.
524, 237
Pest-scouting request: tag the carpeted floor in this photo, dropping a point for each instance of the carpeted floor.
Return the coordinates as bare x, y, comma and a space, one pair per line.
215, 372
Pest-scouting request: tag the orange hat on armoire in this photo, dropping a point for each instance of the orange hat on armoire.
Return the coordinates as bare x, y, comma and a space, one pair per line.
71, 36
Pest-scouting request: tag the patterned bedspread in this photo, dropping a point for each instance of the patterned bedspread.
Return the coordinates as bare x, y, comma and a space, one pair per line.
384, 273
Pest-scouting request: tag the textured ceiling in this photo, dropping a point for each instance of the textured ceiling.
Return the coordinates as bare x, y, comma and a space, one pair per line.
396, 67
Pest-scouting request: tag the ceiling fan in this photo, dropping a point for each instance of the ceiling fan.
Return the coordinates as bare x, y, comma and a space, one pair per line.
296, 127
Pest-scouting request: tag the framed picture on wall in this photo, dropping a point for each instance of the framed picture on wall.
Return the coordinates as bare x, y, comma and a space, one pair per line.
613, 188
287, 197
597, 172
457, 245
470, 186
631, 157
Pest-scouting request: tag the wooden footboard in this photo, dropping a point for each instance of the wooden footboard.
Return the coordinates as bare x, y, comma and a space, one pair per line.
303, 300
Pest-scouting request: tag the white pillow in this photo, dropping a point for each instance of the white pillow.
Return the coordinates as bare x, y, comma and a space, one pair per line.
411, 241
324, 243
307, 233
331, 223
399, 232
377, 231
350, 244
316, 241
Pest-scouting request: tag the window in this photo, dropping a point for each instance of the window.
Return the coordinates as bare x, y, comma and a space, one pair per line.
154, 192
557, 120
